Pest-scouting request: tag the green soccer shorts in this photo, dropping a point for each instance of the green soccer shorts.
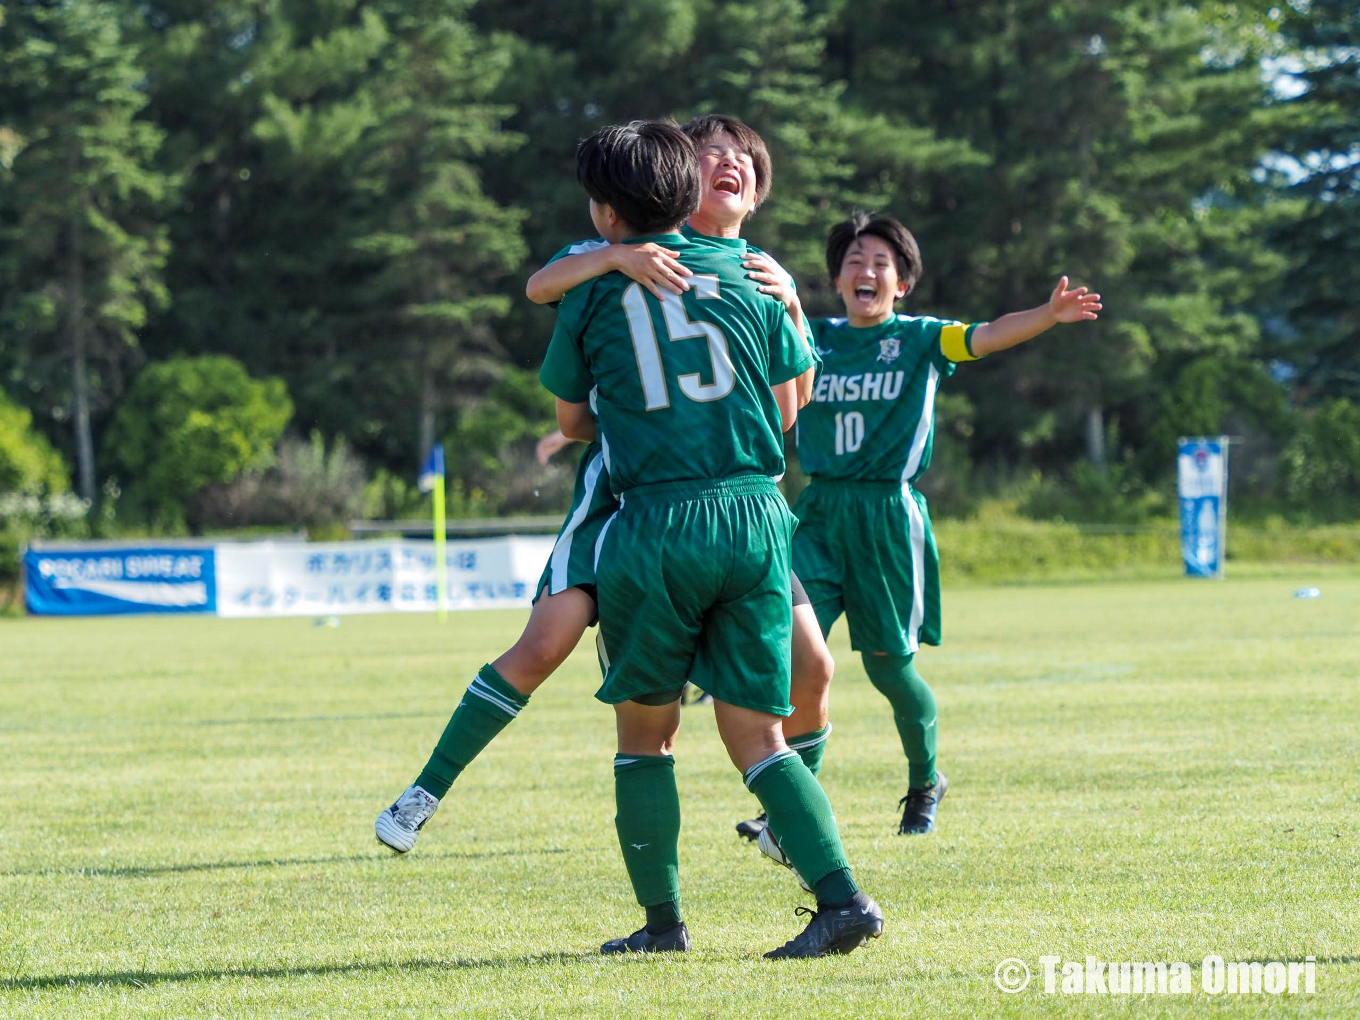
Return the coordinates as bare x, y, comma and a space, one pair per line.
572, 563
693, 583
866, 549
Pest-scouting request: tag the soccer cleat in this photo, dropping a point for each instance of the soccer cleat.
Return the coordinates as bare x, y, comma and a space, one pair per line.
753, 827
918, 815
674, 939
770, 847
833, 929
399, 825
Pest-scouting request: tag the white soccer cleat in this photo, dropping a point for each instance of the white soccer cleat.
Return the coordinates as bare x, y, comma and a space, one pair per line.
770, 847
399, 825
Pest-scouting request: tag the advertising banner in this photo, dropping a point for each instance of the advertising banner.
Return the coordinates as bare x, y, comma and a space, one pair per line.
1202, 483
131, 579
340, 578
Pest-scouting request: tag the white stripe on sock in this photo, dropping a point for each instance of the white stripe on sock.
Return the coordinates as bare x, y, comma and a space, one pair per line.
755, 770
487, 693
803, 744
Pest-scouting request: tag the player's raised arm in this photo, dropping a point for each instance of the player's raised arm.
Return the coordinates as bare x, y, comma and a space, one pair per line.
656, 268
1011, 330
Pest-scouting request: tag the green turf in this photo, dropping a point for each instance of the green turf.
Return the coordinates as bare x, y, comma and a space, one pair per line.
1140, 772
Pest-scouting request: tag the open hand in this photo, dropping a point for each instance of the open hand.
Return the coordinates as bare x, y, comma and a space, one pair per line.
656, 268
771, 277
1073, 305
549, 445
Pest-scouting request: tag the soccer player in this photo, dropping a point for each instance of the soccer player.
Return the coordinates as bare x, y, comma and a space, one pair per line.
737, 176
864, 545
691, 394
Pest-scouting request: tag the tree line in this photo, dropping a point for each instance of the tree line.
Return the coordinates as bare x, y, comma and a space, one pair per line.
339, 201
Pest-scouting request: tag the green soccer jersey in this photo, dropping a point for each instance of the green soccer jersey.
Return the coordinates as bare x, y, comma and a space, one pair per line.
740, 246
681, 387
872, 415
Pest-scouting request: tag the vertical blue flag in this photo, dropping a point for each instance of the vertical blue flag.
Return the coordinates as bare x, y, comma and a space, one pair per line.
1202, 482
433, 470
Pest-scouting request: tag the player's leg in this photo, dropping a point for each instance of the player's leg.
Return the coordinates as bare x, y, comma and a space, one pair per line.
808, 727
914, 712
648, 823
742, 656
892, 607
816, 596
564, 605
809, 692
492, 701
798, 807
651, 612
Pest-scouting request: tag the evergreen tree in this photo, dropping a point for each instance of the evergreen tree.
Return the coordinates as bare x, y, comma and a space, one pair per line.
1320, 78
81, 245
1116, 144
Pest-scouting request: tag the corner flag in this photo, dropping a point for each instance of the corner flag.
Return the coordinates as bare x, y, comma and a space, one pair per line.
433, 471
431, 479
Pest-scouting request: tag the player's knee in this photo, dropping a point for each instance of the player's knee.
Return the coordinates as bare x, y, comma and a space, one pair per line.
538, 653
812, 671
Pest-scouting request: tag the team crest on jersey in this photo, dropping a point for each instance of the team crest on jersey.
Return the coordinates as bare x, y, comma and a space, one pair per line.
889, 350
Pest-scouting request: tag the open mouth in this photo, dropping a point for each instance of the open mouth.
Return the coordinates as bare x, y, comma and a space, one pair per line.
728, 185
866, 293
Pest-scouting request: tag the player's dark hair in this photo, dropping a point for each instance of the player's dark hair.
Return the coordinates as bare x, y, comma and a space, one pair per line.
704, 129
906, 252
645, 170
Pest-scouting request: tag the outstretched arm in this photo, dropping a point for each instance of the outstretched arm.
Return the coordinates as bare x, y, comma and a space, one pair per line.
1011, 330
651, 265
549, 445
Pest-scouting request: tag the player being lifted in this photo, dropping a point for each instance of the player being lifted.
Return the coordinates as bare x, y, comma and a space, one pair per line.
736, 178
691, 394
864, 545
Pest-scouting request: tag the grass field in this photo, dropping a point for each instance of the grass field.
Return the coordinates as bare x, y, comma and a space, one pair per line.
1141, 772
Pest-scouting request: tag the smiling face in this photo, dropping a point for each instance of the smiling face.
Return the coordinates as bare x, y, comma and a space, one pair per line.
869, 282
729, 182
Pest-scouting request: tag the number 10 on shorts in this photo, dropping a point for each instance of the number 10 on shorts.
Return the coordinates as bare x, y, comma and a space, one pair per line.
849, 432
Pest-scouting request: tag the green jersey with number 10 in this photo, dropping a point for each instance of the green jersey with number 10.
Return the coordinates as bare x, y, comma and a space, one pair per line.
681, 387
872, 415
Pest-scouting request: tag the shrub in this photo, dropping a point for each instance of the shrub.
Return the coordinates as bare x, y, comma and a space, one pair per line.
189, 423
1321, 467
308, 486
27, 462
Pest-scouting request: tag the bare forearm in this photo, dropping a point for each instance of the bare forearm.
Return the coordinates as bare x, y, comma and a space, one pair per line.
553, 281
805, 384
786, 396
1012, 330
576, 421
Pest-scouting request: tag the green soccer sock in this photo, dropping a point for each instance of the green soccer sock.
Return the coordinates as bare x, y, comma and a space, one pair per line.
648, 823
801, 814
488, 706
914, 711
811, 747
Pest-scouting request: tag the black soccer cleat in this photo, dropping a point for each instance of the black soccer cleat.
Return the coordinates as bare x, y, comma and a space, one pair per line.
753, 827
921, 802
834, 929
674, 939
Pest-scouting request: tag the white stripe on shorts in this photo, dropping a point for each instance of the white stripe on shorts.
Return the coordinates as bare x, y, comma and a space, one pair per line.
560, 561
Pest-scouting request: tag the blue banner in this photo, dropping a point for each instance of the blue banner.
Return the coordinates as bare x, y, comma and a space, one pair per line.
100, 581
1202, 482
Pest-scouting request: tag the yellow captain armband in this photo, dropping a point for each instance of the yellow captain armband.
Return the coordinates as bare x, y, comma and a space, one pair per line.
954, 342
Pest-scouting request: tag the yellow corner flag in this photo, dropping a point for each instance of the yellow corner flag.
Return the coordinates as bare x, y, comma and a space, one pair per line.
432, 480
